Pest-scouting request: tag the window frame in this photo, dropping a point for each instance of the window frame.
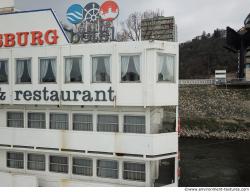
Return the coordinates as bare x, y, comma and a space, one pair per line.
157, 68
39, 70
107, 114
36, 112
123, 170
97, 168
8, 160
91, 68
82, 64
92, 122
15, 119
134, 115
60, 164
83, 158
38, 154
8, 71
31, 68
120, 68
60, 113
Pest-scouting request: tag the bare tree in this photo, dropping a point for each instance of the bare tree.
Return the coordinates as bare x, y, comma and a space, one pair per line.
131, 27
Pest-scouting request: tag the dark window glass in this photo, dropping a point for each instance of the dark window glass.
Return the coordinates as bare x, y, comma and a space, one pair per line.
130, 68
36, 162
47, 70
107, 123
101, 69
134, 171
59, 121
73, 70
82, 122
82, 166
23, 71
15, 160
107, 169
58, 164
3, 71
36, 120
15, 119
134, 124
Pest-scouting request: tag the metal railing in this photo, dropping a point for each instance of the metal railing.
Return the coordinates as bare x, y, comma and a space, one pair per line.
197, 82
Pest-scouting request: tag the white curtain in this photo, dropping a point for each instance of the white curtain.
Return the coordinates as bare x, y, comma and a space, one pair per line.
53, 66
68, 68
107, 65
166, 68
94, 68
162, 68
170, 68
124, 65
44, 63
137, 63
19, 70
29, 67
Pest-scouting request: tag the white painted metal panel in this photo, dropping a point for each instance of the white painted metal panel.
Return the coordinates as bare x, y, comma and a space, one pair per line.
142, 144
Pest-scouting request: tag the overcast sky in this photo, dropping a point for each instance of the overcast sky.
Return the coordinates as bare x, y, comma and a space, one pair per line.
192, 16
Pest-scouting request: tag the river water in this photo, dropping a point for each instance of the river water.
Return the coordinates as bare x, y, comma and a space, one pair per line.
214, 163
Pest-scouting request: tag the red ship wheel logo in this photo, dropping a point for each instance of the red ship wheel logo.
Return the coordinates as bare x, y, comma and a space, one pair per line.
109, 11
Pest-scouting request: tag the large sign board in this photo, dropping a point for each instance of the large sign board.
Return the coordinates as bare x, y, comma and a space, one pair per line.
159, 28
31, 28
93, 22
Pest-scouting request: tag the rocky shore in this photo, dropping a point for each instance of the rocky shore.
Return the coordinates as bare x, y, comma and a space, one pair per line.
207, 112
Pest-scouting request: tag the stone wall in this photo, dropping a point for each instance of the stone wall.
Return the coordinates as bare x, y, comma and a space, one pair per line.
208, 111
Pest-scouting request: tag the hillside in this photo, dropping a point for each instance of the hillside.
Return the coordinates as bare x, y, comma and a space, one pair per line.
200, 57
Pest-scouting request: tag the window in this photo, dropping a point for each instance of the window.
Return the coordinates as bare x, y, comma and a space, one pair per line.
73, 69
59, 121
134, 124
107, 169
82, 122
23, 71
3, 71
82, 166
58, 164
166, 68
15, 160
134, 171
36, 162
36, 120
101, 69
130, 68
107, 123
15, 119
47, 70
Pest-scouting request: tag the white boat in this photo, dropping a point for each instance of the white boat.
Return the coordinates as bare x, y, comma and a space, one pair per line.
103, 114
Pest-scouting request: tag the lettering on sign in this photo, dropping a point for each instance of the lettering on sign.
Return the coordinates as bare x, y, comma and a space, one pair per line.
22, 39
56, 96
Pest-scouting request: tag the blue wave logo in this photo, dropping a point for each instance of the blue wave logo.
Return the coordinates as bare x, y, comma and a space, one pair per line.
75, 14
